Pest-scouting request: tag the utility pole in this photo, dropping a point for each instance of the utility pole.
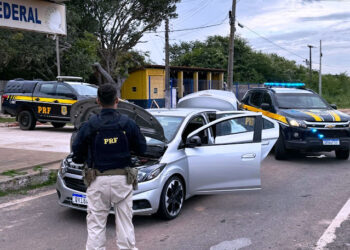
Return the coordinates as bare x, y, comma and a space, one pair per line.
310, 63
58, 55
320, 73
232, 15
167, 71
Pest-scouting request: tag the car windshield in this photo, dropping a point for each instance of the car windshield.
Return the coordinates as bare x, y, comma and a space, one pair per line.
300, 101
170, 126
84, 89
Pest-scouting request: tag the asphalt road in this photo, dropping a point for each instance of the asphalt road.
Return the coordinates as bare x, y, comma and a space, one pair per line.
298, 200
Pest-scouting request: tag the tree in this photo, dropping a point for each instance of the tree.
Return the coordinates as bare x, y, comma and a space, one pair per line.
121, 24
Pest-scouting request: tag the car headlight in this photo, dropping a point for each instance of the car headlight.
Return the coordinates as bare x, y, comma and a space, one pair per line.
63, 168
149, 173
296, 123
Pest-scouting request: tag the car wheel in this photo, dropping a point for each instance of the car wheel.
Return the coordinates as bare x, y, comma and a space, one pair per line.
58, 124
342, 154
171, 199
26, 120
280, 149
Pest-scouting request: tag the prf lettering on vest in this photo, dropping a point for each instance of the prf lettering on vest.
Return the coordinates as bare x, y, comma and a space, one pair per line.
111, 140
19, 13
44, 110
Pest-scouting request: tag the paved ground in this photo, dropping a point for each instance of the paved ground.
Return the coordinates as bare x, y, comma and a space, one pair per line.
43, 138
298, 201
20, 158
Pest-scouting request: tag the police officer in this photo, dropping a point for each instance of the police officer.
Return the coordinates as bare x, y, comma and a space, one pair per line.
105, 142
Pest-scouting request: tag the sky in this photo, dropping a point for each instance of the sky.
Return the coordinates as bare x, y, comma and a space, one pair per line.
284, 27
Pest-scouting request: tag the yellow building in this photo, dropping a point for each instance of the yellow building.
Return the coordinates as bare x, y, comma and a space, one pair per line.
146, 85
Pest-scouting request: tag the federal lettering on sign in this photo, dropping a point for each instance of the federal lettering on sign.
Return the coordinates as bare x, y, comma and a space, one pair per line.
44, 110
33, 15
111, 140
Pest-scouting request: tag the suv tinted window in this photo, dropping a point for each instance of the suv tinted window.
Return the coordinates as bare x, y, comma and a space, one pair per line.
47, 89
267, 124
62, 90
255, 99
267, 99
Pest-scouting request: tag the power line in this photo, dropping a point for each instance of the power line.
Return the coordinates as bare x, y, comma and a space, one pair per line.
266, 39
187, 29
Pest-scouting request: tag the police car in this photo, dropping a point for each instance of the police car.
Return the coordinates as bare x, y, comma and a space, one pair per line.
44, 101
307, 121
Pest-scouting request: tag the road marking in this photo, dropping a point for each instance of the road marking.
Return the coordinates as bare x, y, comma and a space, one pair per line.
30, 198
329, 235
232, 245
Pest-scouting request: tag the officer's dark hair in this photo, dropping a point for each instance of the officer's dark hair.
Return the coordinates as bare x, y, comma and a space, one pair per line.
107, 94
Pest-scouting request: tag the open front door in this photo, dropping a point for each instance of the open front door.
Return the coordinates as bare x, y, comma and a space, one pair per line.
231, 161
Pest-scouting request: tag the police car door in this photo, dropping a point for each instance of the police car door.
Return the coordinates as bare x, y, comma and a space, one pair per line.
232, 161
65, 97
43, 98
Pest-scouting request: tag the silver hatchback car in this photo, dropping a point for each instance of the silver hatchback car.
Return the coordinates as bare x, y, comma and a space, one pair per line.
190, 152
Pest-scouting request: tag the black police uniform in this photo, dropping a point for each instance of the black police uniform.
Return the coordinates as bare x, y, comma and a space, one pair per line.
100, 156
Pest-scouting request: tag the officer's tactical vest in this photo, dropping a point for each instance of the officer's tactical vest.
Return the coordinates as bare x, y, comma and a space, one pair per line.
110, 147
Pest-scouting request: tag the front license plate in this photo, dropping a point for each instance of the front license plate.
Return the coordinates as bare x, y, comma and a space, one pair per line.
79, 199
331, 142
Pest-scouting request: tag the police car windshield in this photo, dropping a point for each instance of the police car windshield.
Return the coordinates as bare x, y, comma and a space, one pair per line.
84, 89
300, 101
170, 126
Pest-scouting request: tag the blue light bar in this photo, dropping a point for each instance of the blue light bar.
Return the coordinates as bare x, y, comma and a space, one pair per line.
285, 85
313, 130
321, 136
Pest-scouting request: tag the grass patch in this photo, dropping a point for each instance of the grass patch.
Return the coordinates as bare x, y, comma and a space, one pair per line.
38, 168
7, 120
23, 191
13, 173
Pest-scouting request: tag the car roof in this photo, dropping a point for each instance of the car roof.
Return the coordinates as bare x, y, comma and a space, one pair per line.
291, 90
79, 83
182, 112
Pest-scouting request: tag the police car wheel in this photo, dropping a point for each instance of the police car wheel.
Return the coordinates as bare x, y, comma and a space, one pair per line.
26, 120
171, 199
280, 149
58, 124
342, 154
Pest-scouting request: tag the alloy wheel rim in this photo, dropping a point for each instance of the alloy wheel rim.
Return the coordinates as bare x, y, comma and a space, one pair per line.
174, 197
25, 120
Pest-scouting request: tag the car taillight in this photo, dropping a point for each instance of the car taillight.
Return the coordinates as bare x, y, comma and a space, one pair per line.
3, 98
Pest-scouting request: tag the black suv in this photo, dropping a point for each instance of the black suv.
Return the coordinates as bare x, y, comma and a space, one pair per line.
307, 121
44, 101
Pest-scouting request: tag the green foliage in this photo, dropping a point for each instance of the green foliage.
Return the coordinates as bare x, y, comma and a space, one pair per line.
13, 173
257, 67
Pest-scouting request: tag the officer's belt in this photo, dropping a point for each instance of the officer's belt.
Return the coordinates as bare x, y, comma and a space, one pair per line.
118, 171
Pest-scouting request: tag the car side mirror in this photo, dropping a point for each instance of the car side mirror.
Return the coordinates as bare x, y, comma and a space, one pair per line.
193, 142
265, 106
334, 106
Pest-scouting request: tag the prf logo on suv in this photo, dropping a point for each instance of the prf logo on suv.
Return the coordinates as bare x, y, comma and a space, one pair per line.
44, 101
307, 121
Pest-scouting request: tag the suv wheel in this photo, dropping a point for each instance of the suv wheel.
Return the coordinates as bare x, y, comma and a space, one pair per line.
58, 124
280, 149
26, 120
171, 199
342, 154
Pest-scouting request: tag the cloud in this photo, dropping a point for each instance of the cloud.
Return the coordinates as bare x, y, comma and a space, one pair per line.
334, 16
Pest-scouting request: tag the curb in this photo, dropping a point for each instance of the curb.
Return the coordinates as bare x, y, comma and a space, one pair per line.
43, 165
20, 182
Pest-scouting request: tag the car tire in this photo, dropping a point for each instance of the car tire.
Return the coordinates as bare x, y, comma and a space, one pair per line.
26, 120
58, 124
171, 199
280, 149
342, 154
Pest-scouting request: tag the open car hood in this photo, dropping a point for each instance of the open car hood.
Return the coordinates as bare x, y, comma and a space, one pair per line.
149, 125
